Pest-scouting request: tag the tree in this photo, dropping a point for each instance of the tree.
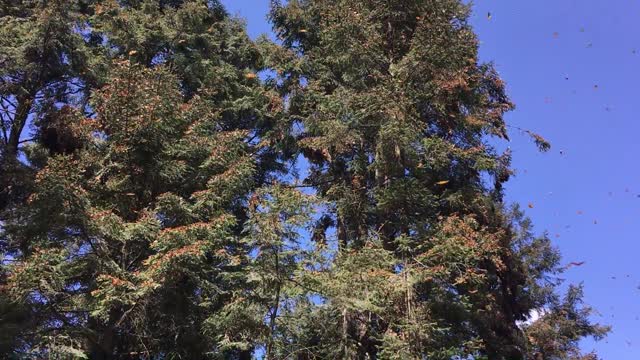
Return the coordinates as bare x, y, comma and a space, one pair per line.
155, 210
561, 326
277, 219
55, 53
43, 62
396, 115
59, 53
127, 246
43, 58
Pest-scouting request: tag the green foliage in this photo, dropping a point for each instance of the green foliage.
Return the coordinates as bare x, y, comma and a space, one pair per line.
156, 210
130, 239
397, 116
561, 326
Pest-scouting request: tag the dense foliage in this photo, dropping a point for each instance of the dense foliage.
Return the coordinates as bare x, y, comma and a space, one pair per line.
159, 199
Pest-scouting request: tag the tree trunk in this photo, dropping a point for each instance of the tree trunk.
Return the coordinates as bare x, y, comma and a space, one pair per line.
345, 328
103, 348
102, 339
25, 102
274, 312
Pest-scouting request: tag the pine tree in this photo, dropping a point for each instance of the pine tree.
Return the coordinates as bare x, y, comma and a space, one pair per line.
42, 55
277, 220
397, 116
43, 63
127, 246
62, 52
55, 53
155, 210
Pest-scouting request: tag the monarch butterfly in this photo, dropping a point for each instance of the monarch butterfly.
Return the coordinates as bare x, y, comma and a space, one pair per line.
574, 263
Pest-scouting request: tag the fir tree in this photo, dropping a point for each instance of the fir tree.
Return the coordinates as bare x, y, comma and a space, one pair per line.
127, 246
151, 211
60, 53
397, 115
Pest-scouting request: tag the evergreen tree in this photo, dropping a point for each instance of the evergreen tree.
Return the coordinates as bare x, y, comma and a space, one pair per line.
43, 58
278, 217
397, 115
43, 65
154, 210
44, 62
127, 247
60, 52
54, 53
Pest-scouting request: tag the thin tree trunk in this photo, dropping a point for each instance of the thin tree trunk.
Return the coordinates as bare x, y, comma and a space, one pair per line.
342, 233
102, 345
345, 326
25, 103
409, 289
274, 312
272, 325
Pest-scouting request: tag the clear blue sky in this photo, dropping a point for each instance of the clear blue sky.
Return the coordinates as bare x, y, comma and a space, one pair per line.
573, 70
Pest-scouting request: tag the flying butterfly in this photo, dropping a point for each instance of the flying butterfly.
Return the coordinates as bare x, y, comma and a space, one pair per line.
574, 263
